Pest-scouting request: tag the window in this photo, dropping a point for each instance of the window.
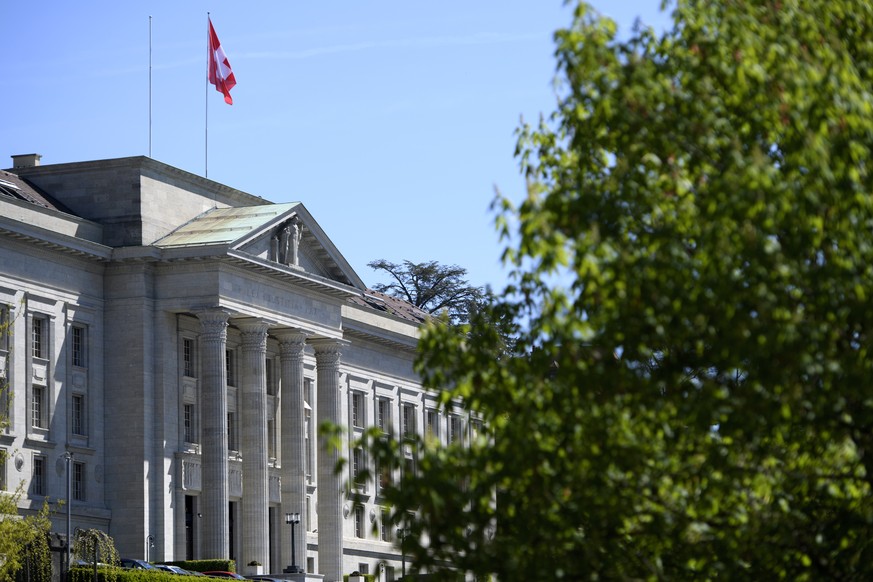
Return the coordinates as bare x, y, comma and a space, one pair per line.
37, 482
39, 337
307, 428
384, 473
363, 568
475, 430
79, 338
78, 415
271, 378
431, 420
188, 357
79, 481
271, 440
188, 413
385, 526
231, 432
5, 325
3, 454
408, 420
358, 466
357, 410
359, 522
455, 431
382, 414
230, 366
37, 407
309, 514
408, 466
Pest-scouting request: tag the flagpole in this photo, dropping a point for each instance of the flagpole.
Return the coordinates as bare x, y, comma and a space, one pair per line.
150, 86
206, 133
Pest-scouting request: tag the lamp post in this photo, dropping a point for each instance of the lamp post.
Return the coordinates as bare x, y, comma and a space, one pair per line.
402, 533
293, 519
69, 458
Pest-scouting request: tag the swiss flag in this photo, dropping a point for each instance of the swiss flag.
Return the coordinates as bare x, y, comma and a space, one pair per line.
220, 73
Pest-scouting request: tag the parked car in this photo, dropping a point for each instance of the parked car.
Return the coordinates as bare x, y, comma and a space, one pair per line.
134, 564
263, 578
221, 574
174, 569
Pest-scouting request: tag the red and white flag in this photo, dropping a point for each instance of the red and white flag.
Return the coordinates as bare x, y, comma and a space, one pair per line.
220, 73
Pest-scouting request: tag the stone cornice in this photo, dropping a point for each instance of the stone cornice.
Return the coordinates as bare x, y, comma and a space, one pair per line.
54, 242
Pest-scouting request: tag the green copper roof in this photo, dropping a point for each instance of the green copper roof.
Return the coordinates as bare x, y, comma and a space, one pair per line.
223, 225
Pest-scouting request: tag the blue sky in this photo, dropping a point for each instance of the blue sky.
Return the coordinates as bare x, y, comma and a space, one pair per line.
392, 121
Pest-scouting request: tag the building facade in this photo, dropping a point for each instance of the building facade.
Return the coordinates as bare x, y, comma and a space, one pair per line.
183, 341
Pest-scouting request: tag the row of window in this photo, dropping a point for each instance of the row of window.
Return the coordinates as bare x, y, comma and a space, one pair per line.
39, 476
39, 411
407, 419
39, 350
189, 366
40, 339
384, 530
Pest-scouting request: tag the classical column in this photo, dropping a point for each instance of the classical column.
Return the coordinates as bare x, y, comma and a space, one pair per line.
213, 393
330, 519
293, 441
253, 442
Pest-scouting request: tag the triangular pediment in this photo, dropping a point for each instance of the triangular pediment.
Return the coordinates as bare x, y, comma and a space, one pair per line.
283, 235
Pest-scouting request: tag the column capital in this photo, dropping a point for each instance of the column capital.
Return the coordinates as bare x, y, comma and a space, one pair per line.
254, 333
327, 347
213, 322
291, 341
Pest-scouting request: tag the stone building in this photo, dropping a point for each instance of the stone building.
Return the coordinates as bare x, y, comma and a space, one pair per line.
184, 340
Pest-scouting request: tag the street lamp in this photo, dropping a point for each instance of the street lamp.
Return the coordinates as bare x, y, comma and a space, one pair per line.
402, 533
293, 519
69, 458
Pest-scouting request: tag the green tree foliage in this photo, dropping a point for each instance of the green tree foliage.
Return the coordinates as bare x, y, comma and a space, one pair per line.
691, 265
432, 287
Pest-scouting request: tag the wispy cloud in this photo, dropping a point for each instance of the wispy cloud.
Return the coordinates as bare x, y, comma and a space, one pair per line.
419, 43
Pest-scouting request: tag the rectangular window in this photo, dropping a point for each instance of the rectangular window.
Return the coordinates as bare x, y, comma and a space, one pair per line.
385, 526
475, 430
308, 428
188, 412
5, 324
455, 430
3, 454
358, 466
271, 377
37, 482
79, 481
384, 473
363, 568
431, 420
37, 407
79, 346
231, 432
271, 440
230, 365
188, 357
408, 420
39, 337
382, 414
357, 410
408, 466
359, 522
78, 415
